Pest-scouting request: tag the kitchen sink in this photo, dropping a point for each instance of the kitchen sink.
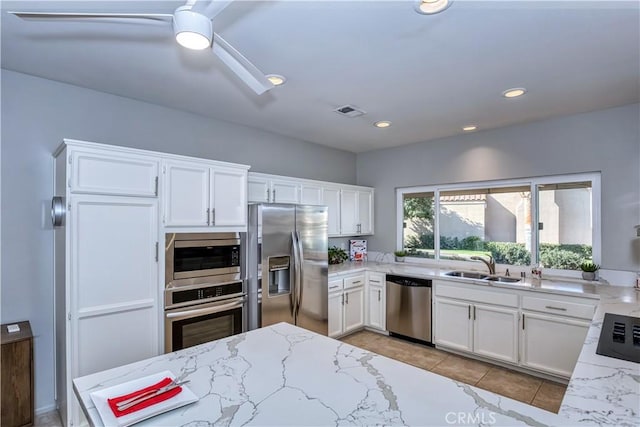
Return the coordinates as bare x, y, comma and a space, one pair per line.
467, 274
503, 279
482, 276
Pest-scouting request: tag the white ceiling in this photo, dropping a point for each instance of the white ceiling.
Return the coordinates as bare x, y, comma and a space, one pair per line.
429, 75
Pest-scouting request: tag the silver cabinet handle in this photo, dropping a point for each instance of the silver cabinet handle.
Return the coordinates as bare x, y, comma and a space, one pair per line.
474, 312
207, 216
268, 196
550, 307
342, 299
523, 321
346, 297
274, 195
378, 294
374, 281
469, 315
355, 282
213, 216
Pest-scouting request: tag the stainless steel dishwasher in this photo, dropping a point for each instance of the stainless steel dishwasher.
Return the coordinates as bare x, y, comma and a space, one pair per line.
409, 307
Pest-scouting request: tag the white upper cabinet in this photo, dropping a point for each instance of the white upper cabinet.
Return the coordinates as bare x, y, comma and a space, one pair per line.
285, 191
331, 199
350, 207
113, 173
229, 197
186, 193
199, 194
310, 194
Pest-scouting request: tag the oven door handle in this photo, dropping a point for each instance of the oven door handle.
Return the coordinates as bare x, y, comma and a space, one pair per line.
207, 310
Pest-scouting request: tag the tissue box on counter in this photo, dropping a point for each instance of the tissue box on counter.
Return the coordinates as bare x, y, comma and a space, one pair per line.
357, 250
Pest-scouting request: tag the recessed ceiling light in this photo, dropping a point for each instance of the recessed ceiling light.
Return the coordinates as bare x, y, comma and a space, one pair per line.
382, 124
514, 92
430, 7
470, 128
276, 79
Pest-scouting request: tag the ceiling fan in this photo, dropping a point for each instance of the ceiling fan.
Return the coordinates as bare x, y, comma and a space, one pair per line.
193, 28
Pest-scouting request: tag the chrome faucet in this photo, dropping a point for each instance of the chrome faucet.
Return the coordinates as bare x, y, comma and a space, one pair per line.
491, 264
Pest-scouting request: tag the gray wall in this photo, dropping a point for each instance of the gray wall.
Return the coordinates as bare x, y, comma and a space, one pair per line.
38, 113
605, 140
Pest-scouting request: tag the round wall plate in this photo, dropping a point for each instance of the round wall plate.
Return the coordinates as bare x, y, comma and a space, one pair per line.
57, 211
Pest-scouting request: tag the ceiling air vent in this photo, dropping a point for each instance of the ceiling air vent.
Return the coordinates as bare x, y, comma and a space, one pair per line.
350, 111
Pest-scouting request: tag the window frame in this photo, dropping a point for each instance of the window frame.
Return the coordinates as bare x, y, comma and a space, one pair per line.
532, 183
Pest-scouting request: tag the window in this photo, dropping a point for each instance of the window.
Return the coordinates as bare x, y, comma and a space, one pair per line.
548, 220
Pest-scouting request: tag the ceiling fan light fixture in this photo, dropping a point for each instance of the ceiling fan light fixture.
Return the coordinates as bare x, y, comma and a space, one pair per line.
431, 7
193, 30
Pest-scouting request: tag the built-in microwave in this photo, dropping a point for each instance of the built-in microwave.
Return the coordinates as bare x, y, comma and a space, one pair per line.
202, 258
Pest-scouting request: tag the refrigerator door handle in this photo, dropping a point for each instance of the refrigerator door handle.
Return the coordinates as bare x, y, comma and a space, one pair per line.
296, 275
301, 272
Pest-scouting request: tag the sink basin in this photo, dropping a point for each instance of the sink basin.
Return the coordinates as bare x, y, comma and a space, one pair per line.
467, 274
503, 279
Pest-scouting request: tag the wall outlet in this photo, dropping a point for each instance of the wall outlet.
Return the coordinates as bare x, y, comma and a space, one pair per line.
13, 328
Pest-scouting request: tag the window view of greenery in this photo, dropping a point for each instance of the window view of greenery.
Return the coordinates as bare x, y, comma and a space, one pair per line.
565, 227
417, 231
491, 221
497, 222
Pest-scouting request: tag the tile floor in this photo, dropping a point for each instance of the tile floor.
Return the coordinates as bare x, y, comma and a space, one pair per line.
516, 385
48, 419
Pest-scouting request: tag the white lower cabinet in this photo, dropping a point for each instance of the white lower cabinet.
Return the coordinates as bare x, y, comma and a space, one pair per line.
375, 301
541, 332
495, 332
346, 304
550, 343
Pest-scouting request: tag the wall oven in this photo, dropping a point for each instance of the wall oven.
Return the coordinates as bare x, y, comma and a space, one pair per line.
205, 294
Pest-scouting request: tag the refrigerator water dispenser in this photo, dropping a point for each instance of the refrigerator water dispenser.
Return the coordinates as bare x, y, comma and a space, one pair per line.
279, 275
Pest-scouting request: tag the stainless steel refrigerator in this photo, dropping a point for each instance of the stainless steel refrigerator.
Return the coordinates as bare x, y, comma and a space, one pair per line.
287, 265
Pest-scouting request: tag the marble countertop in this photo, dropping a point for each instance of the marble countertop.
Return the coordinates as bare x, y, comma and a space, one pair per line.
602, 390
284, 375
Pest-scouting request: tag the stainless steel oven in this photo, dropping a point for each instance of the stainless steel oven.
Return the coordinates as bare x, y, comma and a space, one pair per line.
205, 291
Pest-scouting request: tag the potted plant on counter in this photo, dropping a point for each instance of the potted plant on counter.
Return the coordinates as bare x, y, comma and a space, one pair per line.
400, 255
589, 270
337, 255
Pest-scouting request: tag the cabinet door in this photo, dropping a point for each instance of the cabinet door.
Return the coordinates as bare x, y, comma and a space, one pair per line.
550, 343
310, 194
353, 309
258, 190
331, 198
285, 192
495, 332
335, 314
114, 174
453, 324
113, 282
365, 212
186, 194
376, 307
229, 197
348, 213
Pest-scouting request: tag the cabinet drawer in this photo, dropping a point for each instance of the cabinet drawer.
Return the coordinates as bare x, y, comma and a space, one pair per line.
126, 175
564, 308
335, 285
477, 295
353, 282
376, 279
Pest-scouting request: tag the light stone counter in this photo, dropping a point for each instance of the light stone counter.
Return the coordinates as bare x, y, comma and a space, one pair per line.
602, 390
284, 375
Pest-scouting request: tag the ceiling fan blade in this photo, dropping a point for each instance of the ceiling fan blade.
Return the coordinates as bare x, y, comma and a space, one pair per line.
209, 8
90, 15
240, 65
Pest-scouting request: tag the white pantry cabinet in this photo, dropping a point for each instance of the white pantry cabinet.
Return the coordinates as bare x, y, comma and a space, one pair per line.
204, 194
106, 264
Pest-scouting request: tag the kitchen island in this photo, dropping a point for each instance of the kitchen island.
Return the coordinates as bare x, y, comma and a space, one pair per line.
285, 375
